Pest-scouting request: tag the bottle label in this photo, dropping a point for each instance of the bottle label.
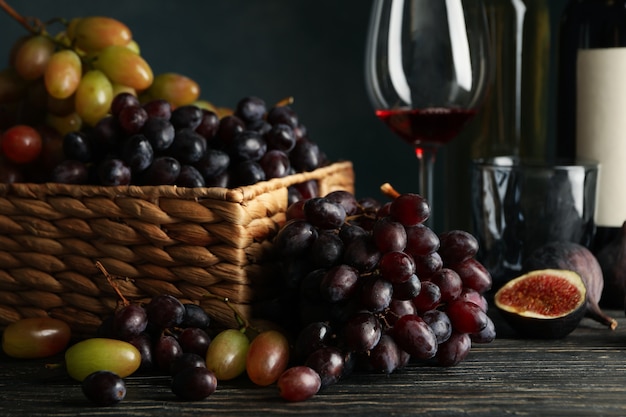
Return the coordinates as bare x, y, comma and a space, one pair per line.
601, 127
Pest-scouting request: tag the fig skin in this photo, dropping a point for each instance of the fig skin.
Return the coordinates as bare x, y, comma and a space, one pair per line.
574, 257
526, 324
612, 259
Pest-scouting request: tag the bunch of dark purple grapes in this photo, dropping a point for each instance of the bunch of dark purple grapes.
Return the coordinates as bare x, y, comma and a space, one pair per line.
172, 339
153, 144
372, 287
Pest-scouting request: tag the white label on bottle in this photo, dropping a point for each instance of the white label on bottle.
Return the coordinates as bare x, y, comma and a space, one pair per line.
601, 127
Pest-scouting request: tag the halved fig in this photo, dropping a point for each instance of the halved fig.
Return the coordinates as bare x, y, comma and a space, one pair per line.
543, 304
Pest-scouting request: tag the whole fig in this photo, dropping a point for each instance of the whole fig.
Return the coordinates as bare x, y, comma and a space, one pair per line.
577, 258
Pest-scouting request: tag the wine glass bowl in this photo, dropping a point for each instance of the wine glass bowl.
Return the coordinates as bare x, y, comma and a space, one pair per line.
427, 71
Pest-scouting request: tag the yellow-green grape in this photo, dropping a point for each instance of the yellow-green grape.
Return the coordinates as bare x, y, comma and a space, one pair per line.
36, 337
206, 105
177, 89
134, 46
32, 57
64, 124
93, 97
12, 86
226, 355
123, 66
63, 73
96, 32
101, 354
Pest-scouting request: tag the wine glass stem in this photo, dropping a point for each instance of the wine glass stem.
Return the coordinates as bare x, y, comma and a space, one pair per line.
426, 158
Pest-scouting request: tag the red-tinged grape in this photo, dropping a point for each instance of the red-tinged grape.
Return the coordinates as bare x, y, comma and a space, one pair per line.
449, 284
486, 335
440, 323
454, 350
267, 357
414, 336
93, 97
194, 340
101, 354
386, 357
389, 236
397, 309
466, 317
123, 66
176, 89
194, 384
62, 74
298, 383
427, 265
21, 144
409, 209
474, 275
428, 298
104, 388
165, 351
226, 355
165, 311
122, 101
457, 246
376, 293
361, 332
475, 297
132, 118
396, 267
130, 320
94, 33
339, 283
36, 337
421, 240
328, 362
158, 108
33, 56
324, 214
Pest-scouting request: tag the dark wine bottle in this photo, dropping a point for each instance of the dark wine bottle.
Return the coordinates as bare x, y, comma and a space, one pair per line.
591, 102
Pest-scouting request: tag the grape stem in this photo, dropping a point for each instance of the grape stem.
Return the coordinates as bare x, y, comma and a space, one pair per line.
31, 24
389, 191
241, 320
113, 285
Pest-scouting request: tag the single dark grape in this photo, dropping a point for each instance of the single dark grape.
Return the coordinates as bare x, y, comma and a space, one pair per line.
466, 317
339, 283
138, 153
143, 343
346, 199
281, 137
421, 240
246, 173
247, 145
312, 337
439, 323
361, 332
158, 108
457, 246
130, 320
159, 132
189, 177
186, 117
165, 311
275, 164
362, 254
474, 275
230, 126
195, 316
282, 114
427, 265
414, 335
486, 335
298, 383
78, 146
409, 209
397, 309
408, 289
209, 124
114, 171
214, 163
104, 388
260, 126
448, 282
250, 109
305, 156
70, 171
107, 135
327, 250
187, 360
163, 171
385, 357
376, 293
165, 351
121, 101
389, 236
188, 146
194, 340
454, 350
132, 118
328, 362
428, 298
350, 232
397, 267
324, 213
194, 384
307, 189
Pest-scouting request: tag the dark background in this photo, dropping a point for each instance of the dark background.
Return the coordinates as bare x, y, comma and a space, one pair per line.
313, 51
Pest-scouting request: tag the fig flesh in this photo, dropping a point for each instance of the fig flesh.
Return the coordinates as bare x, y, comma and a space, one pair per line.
574, 257
543, 304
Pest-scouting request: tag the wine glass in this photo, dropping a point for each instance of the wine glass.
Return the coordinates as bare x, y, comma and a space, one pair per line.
427, 69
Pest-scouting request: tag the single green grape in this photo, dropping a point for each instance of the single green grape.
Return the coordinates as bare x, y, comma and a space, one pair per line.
226, 354
101, 354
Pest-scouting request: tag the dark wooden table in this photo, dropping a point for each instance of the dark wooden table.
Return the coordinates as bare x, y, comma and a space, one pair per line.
581, 375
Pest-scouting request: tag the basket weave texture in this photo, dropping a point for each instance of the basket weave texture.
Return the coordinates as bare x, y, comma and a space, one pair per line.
154, 240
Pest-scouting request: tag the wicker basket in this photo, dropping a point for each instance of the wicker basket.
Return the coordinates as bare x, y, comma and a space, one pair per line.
164, 239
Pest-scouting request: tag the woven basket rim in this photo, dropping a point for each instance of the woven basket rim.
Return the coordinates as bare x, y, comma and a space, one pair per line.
236, 195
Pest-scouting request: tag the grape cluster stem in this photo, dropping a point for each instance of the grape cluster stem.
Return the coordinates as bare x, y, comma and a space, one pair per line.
31, 24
